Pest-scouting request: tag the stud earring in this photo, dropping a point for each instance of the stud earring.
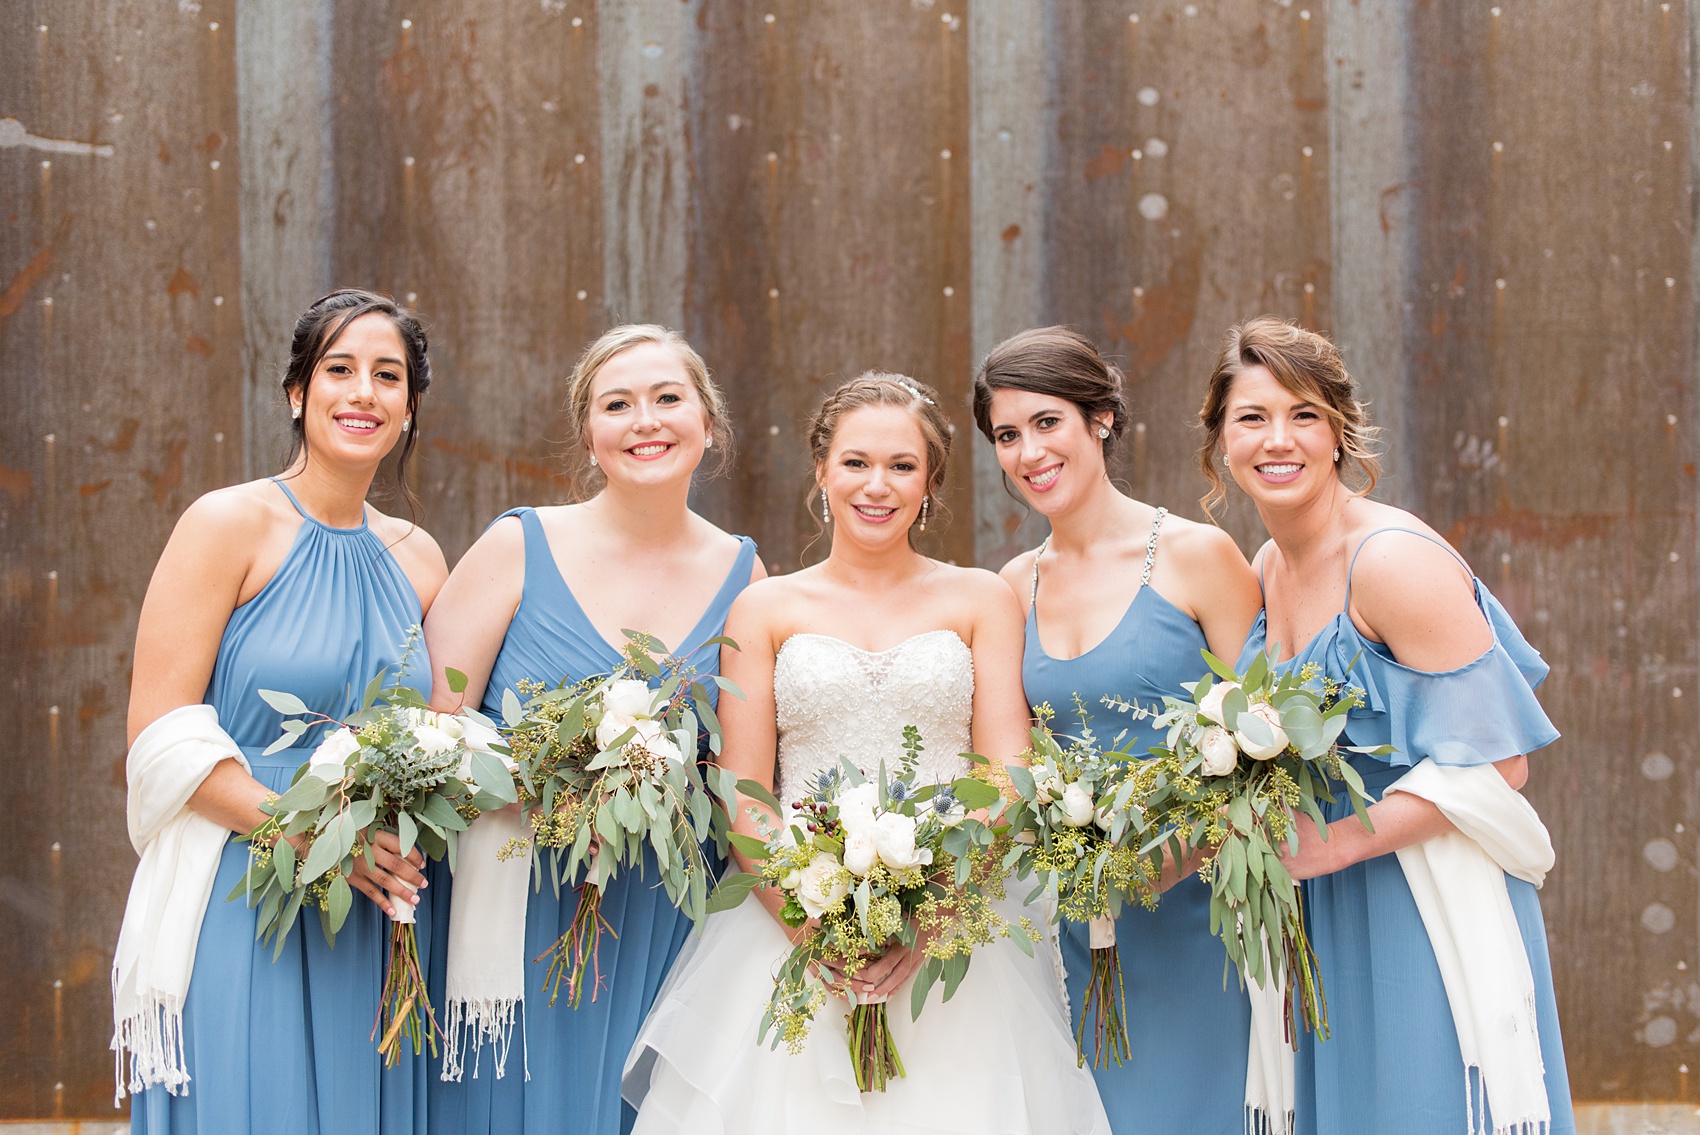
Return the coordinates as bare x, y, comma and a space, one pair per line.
406, 424
593, 460
708, 441
825, 509
1103, 431
924, 502
295, 412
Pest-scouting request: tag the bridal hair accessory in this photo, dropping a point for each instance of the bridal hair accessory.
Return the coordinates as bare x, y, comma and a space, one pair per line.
825, 511
1103, 431
915, 390
924, 501
295, 412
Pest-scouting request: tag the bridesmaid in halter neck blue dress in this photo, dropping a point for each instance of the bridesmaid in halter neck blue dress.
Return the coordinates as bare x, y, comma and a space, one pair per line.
284, 1047
576, 1055
1187, 1030
1393, 1064
1053, 409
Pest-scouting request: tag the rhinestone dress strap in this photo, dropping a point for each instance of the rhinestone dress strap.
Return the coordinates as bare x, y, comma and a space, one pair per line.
1151, 547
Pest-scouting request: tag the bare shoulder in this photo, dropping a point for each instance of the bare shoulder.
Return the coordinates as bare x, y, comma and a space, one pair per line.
247, 510
1407, 570
766, 600
978, 592
1017, 574
415, 549
1200, 547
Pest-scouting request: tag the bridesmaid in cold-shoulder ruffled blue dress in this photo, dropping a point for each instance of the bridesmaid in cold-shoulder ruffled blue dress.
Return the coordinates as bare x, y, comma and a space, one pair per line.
544, 594
1121, 599
293, 583
1373, 598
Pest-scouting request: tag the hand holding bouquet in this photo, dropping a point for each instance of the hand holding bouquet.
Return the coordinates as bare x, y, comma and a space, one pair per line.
611, 764
1074, 829
1243, 757
394, 766
869, 863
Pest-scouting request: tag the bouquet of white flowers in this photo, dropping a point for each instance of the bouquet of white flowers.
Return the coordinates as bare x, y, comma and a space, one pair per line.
393, 766
1241, 760
873, 862
611, 765
1075, 830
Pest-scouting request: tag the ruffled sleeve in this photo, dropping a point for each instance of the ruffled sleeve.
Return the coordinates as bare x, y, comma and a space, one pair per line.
1482, 712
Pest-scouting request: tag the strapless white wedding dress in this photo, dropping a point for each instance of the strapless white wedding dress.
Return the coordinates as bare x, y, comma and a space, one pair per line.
998, 1057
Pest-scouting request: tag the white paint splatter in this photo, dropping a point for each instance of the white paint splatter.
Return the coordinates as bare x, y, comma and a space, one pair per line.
12, 133
1156, 147
1659, 853
1153, 206
1659, 1032
1657, 918
1148, 96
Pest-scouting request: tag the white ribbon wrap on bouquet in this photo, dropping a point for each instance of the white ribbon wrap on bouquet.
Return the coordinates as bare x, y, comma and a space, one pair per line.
485, 984
1458, 881
1269, 1058
180, 850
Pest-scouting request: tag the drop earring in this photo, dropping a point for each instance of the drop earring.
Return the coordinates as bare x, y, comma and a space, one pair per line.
825, 509
708, 441
1225, 462
593, 460
1336, 455
924, 502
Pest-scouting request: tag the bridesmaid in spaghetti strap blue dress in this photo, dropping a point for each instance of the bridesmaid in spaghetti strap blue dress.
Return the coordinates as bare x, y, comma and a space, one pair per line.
284, 1047
1052, 407
1445, 676
1393, 1063
645, 410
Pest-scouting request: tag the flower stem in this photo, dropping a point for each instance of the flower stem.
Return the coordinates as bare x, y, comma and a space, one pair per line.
405, 1007
1304, 979
578, 949
873, 1050
1105, 1005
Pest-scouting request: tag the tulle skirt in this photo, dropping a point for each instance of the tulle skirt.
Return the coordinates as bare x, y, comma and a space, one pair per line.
998, 1057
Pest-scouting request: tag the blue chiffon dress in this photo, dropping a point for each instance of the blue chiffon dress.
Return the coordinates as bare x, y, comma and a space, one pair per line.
1392, 1064
575, 1055
284, 1047
1188, 1030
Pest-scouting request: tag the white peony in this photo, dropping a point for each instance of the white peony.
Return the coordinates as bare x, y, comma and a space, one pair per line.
856, 808
1272, 716
1047, 785
329, 761
1104, 817
860, 852
629, 698
608, 730
1077, 806
894, 836
434, 739
790, 879
822, 885
1211, 706
656, 741
1220, 752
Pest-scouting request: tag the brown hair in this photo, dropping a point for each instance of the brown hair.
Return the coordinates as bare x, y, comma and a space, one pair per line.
880, 388
587, 479
316, 331
1060, 362
1306, 364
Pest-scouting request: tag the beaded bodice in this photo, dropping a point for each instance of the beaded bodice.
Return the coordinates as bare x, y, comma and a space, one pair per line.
836, 700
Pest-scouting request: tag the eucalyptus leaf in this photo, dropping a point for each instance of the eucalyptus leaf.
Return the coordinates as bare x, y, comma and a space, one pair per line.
285, 703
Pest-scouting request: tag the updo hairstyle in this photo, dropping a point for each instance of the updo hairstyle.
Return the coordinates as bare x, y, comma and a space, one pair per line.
880, 388
1062, 363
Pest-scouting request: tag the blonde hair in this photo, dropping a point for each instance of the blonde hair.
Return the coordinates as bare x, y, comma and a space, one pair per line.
881, 388
1304, 363
587, 479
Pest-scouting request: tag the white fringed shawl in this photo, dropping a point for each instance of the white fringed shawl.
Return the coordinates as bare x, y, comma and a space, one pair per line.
485, 985
180, 851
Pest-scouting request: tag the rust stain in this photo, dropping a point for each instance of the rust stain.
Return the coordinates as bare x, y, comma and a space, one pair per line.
182, 283
1011, 233
171, 475
1109, 162
16, 483
1162, 319
127, 430
28, 277
1303, 103
198, 346
1386, 199
91, 489
211, 143
1547, 529
88, 622
530, 470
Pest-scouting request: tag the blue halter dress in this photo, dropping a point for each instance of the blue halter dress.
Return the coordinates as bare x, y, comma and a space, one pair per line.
1392, 1064
284, 1047
1187, 1032
575, 1055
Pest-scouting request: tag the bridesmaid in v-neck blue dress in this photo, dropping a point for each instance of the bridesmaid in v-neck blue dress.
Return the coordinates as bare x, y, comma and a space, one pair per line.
1377, 600
322, 592
645, 410
1053, 408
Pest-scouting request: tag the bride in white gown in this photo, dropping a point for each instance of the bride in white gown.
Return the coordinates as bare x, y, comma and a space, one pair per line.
836, 659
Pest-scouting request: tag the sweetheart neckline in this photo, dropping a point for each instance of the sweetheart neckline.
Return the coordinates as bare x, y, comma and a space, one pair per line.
864, 650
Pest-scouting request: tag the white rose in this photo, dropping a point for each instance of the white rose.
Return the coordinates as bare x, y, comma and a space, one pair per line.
894, 836
856, 808
1211, 706
790, 879
329, 761
479, 737
1220, 752
1077, 806
628, 697
1104, 817
1047, 786
434, 740
608, 730
653, 737
860, 851
822, 885
1272, 717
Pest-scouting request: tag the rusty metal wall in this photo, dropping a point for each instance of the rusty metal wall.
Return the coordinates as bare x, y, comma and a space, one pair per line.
1489, 207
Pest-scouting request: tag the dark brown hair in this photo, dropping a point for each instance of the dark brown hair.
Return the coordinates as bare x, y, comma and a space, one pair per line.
1060, 362
1304, 363
318, 329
